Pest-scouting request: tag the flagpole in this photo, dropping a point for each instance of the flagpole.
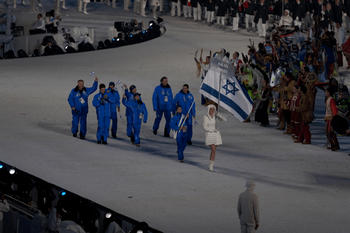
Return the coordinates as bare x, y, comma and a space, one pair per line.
222, 56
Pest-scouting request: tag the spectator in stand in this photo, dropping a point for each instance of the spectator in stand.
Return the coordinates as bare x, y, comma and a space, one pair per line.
54, 220
40, 222
4, 207
113, 227
39, 26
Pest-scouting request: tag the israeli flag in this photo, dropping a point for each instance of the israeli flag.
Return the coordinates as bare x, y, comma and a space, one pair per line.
233, 96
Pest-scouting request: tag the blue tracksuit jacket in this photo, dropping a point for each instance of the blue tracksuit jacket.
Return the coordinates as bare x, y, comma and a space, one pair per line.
162, 98
75, 96
181, 138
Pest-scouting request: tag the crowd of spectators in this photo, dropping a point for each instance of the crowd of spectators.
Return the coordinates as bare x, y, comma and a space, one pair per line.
283, 75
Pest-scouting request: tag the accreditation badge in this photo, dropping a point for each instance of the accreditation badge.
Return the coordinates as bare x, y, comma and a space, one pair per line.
165, 98
81, 100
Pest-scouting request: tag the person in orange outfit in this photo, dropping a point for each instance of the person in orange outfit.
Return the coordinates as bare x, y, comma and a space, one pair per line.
331, 111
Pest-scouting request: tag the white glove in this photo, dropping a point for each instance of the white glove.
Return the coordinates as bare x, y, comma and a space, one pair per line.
345, 14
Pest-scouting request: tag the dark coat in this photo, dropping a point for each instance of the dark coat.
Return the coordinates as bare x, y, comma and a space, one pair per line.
317, 9
234, 8
298, 11
222, 8
250, 9
261, 12
210, 5
338, 12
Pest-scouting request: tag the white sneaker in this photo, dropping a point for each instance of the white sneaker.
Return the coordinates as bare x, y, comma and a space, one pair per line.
40, 4
85, 13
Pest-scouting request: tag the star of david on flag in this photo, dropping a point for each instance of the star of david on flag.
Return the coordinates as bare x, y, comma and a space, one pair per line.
227, 88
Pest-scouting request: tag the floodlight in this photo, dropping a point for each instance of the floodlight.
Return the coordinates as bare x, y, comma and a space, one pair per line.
139, 228
12, 171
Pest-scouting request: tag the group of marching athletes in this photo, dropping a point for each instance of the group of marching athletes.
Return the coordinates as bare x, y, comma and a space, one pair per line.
178, 111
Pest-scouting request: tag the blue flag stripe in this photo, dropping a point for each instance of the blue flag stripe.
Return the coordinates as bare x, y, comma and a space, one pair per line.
245, 93
224, 99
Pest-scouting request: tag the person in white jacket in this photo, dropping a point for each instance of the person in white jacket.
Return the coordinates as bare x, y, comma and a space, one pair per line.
212, 135
286, 19
39, 26
40, 222
4, 207
54, 220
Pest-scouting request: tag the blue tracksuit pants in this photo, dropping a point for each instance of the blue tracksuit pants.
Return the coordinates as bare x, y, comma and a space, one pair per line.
189, 129
181, 145
114, 117
75, 123
103, 127
137, 129
129, 125
167, 116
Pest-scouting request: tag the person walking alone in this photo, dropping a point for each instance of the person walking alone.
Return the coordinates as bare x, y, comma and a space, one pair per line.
212, 134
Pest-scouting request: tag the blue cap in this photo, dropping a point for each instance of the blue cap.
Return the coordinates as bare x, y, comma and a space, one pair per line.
137, 94
132, 87
111, 84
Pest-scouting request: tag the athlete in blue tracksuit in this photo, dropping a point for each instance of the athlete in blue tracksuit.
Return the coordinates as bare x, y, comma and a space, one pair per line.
128, 112
138, 112
162, 103
78, 101
181, 132
114, 96
185, 99
102, 103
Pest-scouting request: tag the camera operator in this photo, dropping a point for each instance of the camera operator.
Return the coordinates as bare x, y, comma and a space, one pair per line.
4, 207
